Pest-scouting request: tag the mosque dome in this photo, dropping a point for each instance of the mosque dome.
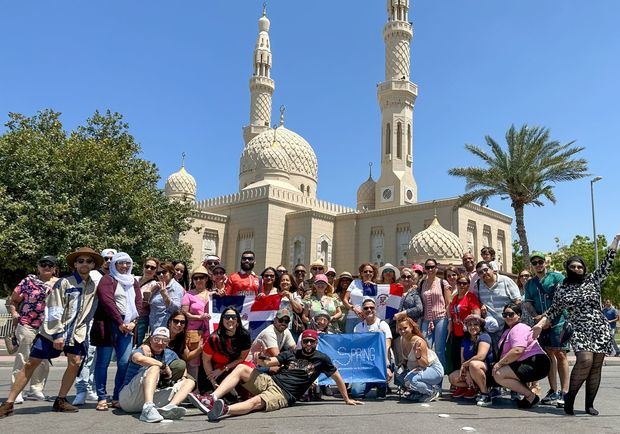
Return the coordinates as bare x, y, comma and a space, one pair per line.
263, 24
293, 155
435, 242
180, 184
366, 194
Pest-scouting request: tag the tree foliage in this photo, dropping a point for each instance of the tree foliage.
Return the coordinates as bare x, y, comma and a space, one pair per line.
524, 172
60, 190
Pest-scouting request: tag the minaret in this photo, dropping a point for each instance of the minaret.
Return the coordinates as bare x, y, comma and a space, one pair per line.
261, 84
397, 95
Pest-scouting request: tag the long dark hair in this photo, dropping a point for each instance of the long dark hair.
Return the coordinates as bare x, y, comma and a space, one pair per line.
178, 343
293, 289
221, 342
516, 308
185, 279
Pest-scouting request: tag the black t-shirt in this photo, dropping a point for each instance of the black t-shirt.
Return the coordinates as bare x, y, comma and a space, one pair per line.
299, 371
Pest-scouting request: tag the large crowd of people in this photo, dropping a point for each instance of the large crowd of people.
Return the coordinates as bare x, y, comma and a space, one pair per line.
487, 333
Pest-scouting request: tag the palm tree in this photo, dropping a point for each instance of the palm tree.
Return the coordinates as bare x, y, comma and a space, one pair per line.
524, 173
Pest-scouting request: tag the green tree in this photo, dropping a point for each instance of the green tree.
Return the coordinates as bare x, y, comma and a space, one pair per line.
517, 257
523, 172
60, 190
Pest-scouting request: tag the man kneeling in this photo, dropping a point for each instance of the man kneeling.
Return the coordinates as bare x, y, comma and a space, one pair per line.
153, 367
299, 370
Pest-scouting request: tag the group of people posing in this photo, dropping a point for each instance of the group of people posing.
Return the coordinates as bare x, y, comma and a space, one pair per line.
485, 331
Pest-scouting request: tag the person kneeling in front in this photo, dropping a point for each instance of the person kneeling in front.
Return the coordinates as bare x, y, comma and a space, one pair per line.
299, 370
148, 377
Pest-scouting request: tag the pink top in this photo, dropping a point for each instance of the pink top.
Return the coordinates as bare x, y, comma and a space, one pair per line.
197, 306
520, 335
432, 299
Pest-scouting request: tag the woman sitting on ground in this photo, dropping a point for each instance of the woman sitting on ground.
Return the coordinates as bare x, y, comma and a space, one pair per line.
476, 360
425, 372
522, 359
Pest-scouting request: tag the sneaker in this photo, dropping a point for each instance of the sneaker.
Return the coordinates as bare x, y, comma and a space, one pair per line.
62, 405
19, 399
327, 391
412, 397
150, 414
494, 392
434, 396
514, 396
560, 402
551, 398
36, 396
197, 401
80, 398
6, 409
524, 403
459, 392
484, 400
92, 396
470, 393
220, 409
172, 412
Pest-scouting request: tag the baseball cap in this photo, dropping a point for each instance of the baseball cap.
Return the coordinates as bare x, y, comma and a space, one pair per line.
310, 334
321, 278
108, 252
282, 313
162, 331
48, 258
537, 254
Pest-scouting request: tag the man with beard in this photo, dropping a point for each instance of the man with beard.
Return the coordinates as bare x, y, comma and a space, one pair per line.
244, 282
299, 370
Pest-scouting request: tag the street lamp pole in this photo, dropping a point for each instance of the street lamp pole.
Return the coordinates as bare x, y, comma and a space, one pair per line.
592, 181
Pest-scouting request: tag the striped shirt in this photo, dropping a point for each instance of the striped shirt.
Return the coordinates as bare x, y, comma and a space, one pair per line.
433, 300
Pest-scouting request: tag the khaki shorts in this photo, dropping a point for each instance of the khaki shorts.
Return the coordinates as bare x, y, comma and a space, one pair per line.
131, 397
263, 385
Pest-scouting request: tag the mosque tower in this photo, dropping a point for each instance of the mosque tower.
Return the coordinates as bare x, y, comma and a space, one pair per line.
397, 94
261, 84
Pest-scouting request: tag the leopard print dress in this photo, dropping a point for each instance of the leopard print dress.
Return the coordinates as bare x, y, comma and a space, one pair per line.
583, 303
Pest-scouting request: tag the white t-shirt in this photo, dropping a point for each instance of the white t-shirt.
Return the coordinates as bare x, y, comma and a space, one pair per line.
377, 326
271, 338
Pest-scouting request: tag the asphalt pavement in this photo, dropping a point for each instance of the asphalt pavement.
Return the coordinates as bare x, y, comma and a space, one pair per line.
331, 415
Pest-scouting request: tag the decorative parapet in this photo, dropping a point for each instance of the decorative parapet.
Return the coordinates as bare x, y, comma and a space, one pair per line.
208, 216
275, 193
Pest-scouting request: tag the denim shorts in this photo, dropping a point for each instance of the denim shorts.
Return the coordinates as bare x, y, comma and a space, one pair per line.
43, 348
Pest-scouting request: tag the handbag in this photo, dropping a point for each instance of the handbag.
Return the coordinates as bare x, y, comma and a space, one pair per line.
192, 339
567, 328
10, 341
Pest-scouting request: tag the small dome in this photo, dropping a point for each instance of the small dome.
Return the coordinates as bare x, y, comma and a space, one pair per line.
366, 194
437, 243
263, 24
180, 183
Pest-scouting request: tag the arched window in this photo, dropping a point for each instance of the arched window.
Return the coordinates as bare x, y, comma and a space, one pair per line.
308, 190
388, 139
399, 140
302, 188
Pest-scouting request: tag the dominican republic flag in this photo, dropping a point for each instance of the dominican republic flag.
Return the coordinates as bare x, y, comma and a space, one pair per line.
388, 300
256, 313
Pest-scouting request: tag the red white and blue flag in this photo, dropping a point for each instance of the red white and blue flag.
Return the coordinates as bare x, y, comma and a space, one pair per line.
256, 312
388, 300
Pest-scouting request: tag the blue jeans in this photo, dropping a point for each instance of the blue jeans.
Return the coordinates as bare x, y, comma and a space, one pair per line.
85, 382
437, 337
350, 324
121, 344
426, 380
360, 390
141, 328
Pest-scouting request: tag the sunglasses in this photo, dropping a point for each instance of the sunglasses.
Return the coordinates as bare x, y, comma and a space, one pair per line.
124, 263
229, 316
195, 278
282, 271
218, 273
462, 283
524, 275
300, 271
87, 261
284, 320
213, 263
508, 314
269, 276
406, 276
161, 340
308, 341
316, 268
247, 258
481, 272
368, 308
539, 262
108, 259
179, 321
161, 272
150, 267
46, 265
430, 267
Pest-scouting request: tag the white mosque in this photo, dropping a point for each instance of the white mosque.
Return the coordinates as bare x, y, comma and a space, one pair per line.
276, 212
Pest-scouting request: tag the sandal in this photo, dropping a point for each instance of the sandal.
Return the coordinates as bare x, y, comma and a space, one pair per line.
102, 406
115, 404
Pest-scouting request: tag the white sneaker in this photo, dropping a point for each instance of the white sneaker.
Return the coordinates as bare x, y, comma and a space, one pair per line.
92, 396
150, 414
80, 398
172, 412
36, 396
19, 399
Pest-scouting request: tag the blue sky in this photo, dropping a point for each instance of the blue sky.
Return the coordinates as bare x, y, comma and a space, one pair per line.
178, 72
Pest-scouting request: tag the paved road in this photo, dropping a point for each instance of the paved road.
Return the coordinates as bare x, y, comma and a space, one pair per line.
328, 416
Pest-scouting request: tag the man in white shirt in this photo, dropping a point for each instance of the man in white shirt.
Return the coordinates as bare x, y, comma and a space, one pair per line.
276, 338
372, 323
